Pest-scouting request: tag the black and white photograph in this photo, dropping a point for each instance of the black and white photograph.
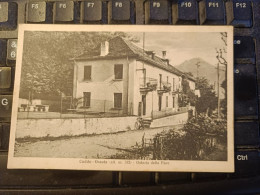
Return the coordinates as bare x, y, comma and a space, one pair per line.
133, 98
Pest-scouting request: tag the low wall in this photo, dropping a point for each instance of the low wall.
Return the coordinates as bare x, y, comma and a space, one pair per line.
72, 127
176, 119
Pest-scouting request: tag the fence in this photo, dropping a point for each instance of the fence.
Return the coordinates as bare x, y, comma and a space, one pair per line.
67, 107
179, 147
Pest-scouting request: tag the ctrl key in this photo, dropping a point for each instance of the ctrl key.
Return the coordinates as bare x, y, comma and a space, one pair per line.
5, 77
247, 163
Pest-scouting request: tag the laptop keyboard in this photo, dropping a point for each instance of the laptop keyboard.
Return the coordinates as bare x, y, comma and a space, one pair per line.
244, 15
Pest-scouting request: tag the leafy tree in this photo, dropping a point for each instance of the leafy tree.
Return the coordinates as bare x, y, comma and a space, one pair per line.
46, 68
207, 102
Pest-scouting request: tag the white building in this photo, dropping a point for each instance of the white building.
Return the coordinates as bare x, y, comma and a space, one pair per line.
124, 79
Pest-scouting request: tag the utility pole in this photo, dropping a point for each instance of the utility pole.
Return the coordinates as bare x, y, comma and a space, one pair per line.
218, 91
197, 64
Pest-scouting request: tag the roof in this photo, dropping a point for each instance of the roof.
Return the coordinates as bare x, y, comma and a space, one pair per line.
119, 47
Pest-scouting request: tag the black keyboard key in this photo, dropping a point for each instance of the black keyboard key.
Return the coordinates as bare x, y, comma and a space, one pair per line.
4, 133
157, 11
247, 133
239, 13
3, 50
92, 11
64, 11
244, 49
11, 52
5, 77
6, 106
245, 91
39, 12
247, 163
120, 10
8, 16
184, 12
211, 12
136, 178
169, 177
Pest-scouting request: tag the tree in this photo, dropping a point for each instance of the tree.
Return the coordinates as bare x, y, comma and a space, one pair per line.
207, 102
46, 68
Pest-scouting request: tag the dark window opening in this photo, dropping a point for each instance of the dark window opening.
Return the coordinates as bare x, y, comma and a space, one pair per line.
86, 99
166, 101
117, 100
118, 71
87, 72
160, 103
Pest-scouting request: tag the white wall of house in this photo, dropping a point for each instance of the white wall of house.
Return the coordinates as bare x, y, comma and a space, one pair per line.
152, 98
103, 84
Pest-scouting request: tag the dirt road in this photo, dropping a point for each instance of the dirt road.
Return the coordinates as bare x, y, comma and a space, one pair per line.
94, 146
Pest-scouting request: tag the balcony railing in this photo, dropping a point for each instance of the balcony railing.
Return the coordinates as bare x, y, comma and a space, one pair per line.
148, 84
164, 87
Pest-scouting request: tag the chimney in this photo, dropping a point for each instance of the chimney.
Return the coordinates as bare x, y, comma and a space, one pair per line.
104, 48
164, 54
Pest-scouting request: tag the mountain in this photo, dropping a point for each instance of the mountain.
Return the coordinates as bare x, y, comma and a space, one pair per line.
205, 69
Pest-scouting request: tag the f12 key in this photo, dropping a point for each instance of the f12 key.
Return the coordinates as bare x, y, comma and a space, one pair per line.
239, 13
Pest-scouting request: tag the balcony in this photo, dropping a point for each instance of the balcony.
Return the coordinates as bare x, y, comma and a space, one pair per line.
164, 87
148, 84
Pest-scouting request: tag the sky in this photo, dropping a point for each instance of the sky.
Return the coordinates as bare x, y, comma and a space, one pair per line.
183, 46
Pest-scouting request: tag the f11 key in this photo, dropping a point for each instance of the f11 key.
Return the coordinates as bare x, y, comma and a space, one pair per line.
211, 12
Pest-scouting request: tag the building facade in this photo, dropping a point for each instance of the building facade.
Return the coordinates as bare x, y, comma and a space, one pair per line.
123, 79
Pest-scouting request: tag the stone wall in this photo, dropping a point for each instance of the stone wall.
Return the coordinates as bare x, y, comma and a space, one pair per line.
72, 127
170, 120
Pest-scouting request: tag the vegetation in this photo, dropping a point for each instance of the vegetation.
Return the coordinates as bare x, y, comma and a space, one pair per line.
47, 69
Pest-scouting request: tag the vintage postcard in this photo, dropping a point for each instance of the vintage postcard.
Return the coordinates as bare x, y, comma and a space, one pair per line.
127, 98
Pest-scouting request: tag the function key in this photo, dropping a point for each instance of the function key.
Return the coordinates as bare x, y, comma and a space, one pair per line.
157, 11
239, 13
244, 49
93, 11
247, 133
245, 89
120, 11
211, 12
5, 77
5, 106
3, 45
8, 16
184, 12
11, 52
64, 12
39, 12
